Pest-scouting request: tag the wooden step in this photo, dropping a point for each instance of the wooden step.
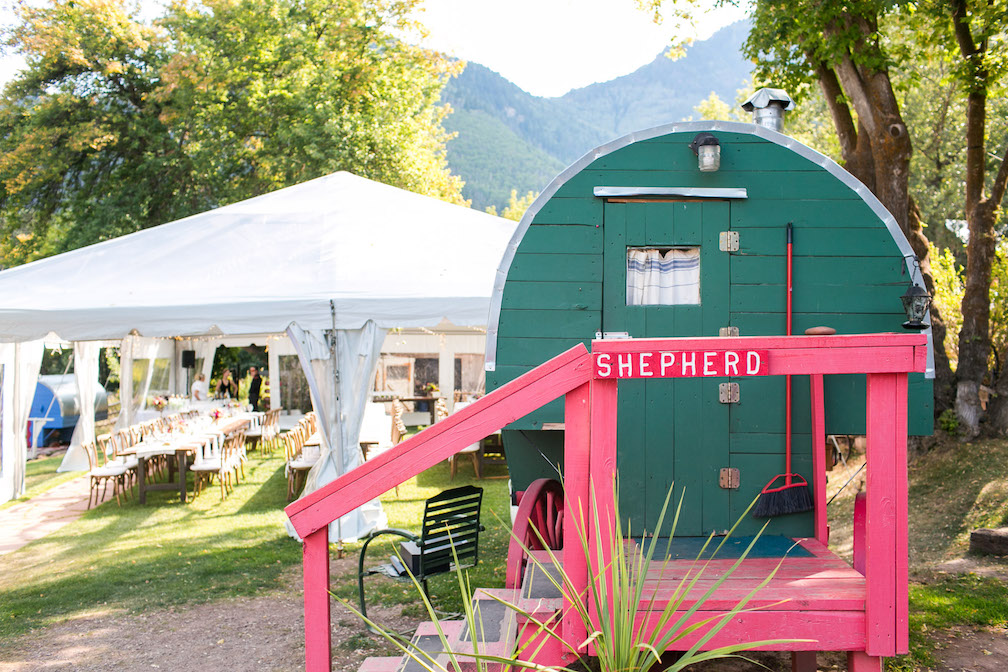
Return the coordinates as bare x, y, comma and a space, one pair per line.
427, 639
380, 664
496, 629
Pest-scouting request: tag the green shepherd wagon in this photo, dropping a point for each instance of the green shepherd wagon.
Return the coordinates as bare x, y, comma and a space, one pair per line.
641, 324
564, 281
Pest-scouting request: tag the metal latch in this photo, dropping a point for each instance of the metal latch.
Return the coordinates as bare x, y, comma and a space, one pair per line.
729, 478
728, 393
728, 241
728, 332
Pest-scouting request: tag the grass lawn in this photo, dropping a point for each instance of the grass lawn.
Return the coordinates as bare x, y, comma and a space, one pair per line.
41, 475
137, 558
954, 489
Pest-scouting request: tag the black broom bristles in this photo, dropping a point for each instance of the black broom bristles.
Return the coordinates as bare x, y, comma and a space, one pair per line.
794, 498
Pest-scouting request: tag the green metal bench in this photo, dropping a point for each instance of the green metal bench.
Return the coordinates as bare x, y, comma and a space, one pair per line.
451, 521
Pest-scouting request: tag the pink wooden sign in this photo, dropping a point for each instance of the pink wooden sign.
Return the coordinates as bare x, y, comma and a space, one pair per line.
679, 364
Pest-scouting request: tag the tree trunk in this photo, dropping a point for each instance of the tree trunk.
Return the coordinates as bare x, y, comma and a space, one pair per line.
974, 337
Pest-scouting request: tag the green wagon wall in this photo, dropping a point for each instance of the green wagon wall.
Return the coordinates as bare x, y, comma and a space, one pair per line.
848, 273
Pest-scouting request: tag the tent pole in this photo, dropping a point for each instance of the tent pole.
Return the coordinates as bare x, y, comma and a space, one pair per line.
334, 358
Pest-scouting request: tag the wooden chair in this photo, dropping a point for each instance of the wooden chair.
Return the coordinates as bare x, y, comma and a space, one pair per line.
297, 464
102, 473
220, 463
449, 535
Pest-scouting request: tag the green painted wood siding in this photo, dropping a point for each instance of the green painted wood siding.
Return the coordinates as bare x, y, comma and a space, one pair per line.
848, 274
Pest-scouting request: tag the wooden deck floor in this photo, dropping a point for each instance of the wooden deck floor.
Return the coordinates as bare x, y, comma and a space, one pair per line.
819, 598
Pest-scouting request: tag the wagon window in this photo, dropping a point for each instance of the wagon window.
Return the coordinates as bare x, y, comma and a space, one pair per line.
663, 276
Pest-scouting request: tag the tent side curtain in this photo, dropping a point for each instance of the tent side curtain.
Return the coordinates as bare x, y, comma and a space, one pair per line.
86, 374
340, 374
19, 371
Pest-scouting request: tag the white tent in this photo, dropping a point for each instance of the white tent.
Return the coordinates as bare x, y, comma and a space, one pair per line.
337, 253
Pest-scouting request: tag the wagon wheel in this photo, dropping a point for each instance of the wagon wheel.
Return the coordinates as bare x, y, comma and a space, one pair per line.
541, 508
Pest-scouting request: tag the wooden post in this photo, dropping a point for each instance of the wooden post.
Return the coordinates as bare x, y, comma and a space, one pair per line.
317, 625
603, 473
886, 561
577, 436
819, 457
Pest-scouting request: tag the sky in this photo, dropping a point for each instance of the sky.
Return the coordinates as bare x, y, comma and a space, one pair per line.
546, 47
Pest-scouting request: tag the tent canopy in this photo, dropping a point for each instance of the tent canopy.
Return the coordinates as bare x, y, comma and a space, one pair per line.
377, 252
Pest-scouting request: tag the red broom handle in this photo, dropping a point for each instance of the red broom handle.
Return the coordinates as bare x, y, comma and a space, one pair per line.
787, 379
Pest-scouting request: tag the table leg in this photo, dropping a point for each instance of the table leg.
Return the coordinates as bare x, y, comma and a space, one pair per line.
183, 467
142, 482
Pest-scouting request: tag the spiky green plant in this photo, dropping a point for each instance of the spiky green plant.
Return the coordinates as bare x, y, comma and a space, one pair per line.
617, 591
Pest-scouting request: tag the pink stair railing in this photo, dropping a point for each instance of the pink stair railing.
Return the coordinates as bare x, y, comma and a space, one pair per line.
590, 458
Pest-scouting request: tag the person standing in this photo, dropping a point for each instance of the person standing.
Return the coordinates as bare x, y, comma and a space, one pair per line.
254, 388
227, 388
199, 391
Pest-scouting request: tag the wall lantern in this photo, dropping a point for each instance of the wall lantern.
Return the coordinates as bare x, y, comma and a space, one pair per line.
916, 302
768, 107
708, 151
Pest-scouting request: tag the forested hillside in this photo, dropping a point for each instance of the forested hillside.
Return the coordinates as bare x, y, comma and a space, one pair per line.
509, 139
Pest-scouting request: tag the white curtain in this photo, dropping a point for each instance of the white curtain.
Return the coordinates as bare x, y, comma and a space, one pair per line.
86, 373
133, 348
340, 411
20, 363
666, 279
206, 350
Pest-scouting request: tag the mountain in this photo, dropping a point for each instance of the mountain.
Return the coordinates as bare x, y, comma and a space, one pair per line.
509, 139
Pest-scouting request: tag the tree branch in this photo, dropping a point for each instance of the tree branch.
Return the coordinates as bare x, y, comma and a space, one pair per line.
1000, 181
843, 121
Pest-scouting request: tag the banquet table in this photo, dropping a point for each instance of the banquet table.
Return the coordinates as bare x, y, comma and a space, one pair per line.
181, 447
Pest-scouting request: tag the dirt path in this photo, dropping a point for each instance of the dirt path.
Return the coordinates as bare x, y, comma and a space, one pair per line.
266, 634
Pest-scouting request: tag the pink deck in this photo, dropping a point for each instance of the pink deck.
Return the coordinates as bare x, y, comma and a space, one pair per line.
827, 601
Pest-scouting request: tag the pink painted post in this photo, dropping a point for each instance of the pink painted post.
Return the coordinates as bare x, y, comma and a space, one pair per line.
318, 652
819, 457
603, 473
859, 661
859, 532
577, 443
885, 564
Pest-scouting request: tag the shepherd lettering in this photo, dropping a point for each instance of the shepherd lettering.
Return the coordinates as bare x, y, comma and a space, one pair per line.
680, 364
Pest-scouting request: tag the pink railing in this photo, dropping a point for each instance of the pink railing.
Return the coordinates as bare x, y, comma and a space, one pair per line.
590, 457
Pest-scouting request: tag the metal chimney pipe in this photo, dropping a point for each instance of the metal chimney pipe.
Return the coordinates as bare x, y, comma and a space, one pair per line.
768, 107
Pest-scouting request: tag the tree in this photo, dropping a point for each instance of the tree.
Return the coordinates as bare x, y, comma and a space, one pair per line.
117, 125
516, 207
978, 31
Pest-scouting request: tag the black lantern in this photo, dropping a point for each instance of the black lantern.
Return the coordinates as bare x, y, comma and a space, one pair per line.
916, 302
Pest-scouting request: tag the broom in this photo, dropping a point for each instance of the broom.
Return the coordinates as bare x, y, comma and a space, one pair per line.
792, 495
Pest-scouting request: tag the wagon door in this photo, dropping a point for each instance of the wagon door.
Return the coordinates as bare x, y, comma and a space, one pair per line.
671, 430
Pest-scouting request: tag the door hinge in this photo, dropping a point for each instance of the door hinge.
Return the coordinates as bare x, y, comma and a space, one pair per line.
728, 241
728, 393
728, 332
729, 478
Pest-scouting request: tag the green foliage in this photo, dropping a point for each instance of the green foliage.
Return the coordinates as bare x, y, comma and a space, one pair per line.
494, 158
118, 125
516, 207
949, 421
948, 293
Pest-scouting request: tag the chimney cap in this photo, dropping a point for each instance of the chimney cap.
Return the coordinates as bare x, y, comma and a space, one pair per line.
766, 97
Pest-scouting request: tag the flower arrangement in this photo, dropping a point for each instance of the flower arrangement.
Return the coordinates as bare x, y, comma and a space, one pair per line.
430, 388
215, 414
158, 403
